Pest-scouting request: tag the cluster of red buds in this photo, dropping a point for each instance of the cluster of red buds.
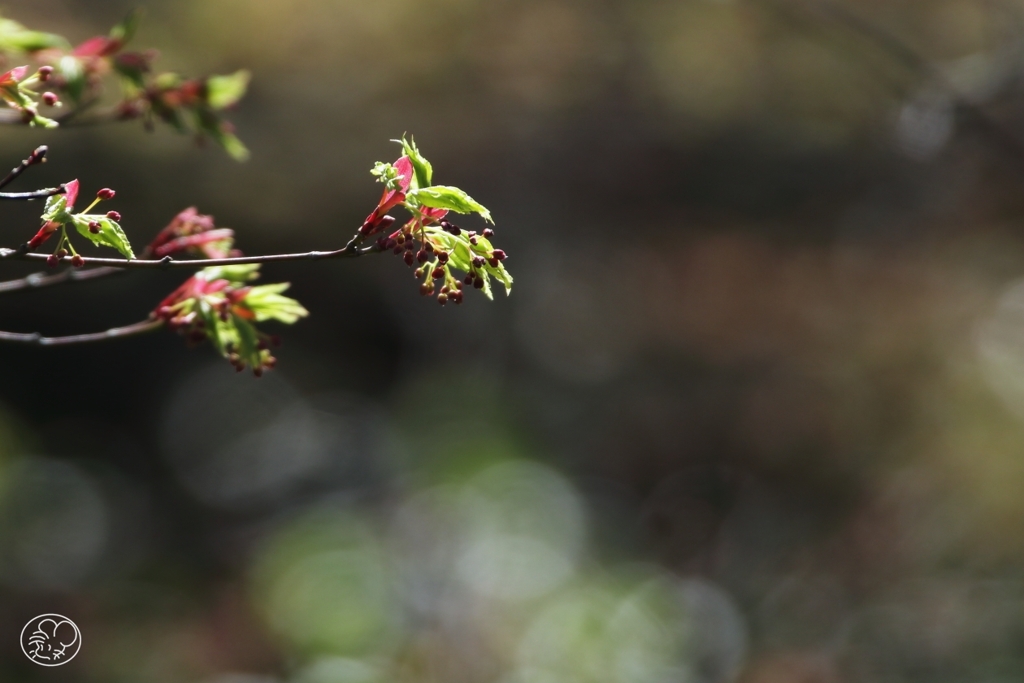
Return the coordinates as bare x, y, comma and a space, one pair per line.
195, 233
420, 247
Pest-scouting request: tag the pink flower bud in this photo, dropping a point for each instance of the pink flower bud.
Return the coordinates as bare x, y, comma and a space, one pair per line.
106, 193
52, 260
77, 261
94, 227
50, 99
488, 233
114, 216
45, 72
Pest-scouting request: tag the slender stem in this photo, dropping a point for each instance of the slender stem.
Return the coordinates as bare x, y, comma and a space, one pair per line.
37, 157
36, 339
29, 196
351, 250
40, 280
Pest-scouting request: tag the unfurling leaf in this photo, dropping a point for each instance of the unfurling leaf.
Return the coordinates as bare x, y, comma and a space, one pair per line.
424, 170
224, 91
451, 198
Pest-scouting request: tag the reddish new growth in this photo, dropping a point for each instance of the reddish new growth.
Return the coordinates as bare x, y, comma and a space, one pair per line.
194, 233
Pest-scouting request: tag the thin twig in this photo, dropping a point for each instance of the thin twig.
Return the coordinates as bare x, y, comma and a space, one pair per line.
36, 194
349, 251
40, 280
36, 339
37, 157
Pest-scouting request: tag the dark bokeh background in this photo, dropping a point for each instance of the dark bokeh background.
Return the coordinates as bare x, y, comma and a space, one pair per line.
752, 412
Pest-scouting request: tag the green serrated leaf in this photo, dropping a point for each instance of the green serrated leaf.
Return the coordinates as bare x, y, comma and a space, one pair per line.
109, 235
424, 171
451, 198
224, 91
266, 303
56, 209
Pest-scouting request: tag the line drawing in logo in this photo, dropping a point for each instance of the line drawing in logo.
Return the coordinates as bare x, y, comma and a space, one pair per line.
51, 640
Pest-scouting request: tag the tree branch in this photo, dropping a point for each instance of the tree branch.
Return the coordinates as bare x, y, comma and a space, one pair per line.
37, 157
40, 280
352, 250
36, 339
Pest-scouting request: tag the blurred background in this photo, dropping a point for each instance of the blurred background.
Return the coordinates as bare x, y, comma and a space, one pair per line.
752, 413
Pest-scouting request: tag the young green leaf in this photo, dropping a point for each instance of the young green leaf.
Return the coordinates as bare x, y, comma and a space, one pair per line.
451, 198
424, 170
17, 38
224, 91
109, 234
266, 303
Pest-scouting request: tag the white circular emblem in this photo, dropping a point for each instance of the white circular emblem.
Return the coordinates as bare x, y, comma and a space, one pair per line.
51, 640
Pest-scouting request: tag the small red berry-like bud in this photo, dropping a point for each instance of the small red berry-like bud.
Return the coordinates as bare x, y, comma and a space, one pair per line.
446, 226
478, 261
488, 233
94, 227
61, 253
50, 99
401, 238
422, 256
458, 285
468, 279
456, 230
499, 254
428, 247
52, 260
456, 296
409, 258
44, 73
418, 273
258, 372
77, 261
445, 289
442, 298
478, 283
493, 262
426, 289
442, 257
472, 240
114, 216
106, 193
438, 273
